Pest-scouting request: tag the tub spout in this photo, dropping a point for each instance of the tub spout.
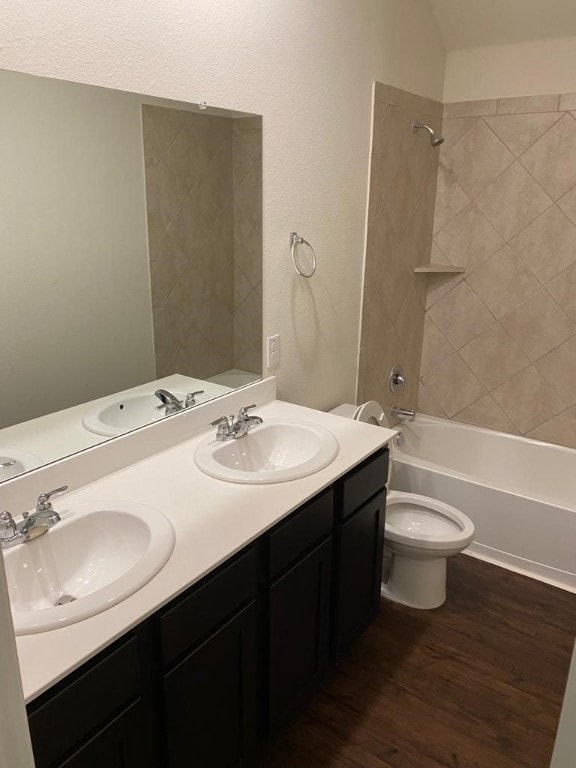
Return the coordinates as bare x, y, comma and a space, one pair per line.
404, 414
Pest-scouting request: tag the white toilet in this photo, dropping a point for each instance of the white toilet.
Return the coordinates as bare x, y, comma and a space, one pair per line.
420, 533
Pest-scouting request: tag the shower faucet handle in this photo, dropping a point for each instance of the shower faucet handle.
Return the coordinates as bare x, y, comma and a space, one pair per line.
397, 379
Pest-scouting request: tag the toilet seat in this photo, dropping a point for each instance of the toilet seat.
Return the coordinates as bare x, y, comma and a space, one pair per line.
450, 529
370, 413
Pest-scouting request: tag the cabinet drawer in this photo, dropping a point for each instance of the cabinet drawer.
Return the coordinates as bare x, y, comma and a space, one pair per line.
198, 613
85, 704
364, 481
298, 534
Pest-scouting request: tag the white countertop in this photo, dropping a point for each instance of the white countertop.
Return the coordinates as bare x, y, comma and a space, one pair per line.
212, 519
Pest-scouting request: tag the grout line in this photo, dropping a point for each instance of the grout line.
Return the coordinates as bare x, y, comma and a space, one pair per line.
455, 181
466, 132
495, 179
555, 201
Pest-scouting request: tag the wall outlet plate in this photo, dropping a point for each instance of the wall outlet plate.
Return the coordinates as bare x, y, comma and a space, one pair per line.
273, 351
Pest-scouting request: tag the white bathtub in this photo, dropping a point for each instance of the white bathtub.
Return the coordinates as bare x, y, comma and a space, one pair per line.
520, 493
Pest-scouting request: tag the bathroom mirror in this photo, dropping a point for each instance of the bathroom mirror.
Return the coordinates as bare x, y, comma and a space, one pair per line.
131, 253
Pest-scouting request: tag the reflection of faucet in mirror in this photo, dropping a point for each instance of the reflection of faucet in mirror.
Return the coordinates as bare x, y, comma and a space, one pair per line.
170, 402
191, 398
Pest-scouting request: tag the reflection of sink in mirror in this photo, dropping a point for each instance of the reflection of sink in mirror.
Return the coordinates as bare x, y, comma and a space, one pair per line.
14, 462
270, 453
170, 286
130, 413
130, 410
88, 562
63, 433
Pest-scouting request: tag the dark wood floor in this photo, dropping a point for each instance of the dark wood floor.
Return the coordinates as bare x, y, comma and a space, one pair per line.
477, 683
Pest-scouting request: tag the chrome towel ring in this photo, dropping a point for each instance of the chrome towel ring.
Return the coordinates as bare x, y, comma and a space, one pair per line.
295, 240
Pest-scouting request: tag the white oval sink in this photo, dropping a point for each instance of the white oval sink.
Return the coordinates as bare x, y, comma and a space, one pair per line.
14, 462
270, 453
124, 414
97, 557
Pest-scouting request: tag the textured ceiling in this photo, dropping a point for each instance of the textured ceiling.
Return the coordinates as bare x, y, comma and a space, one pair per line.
476, 23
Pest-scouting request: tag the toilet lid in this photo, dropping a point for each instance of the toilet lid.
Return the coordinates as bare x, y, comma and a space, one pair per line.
370, 413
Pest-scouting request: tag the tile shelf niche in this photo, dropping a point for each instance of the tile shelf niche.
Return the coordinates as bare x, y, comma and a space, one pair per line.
439, 269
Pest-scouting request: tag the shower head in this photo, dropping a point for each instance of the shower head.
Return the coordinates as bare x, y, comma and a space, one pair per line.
434, 139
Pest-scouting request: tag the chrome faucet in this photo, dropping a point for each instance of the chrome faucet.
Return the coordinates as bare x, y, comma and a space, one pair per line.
230, 428
170, 402
403, 414
32, 525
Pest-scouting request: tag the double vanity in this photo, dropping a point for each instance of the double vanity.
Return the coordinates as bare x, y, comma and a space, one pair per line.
215, 598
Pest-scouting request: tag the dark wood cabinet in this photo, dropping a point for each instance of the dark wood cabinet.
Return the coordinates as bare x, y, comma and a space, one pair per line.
210, 699
210, 641
69, 724
213, 675
359, 568
122, 743
359, 545
299, 637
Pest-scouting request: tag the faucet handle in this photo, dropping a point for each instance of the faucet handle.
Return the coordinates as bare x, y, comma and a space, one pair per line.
191, 398
43, 504
8, 528
221, 420
243, 412
224, 424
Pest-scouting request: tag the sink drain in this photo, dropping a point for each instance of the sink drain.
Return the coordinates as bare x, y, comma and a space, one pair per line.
64, 600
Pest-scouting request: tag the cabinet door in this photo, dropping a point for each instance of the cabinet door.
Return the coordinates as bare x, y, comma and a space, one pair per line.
299, 615
68, 715
126, 742
360, 553
210, 698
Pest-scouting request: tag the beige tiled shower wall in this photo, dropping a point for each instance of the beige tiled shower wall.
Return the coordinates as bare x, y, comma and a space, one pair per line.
203, 194
247, 204
403, 175
500, 341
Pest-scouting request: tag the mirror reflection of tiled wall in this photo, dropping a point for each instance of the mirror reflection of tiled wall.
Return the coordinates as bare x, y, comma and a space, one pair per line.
500, 341
203, 193
247, 202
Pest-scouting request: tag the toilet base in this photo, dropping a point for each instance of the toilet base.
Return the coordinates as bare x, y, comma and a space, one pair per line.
416, 583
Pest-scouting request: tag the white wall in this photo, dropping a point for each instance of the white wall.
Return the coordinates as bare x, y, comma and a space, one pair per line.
15, 748
521, 69
308, 68
75, 307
